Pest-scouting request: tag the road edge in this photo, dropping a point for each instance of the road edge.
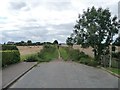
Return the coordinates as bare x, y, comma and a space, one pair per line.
18, 77
110, 72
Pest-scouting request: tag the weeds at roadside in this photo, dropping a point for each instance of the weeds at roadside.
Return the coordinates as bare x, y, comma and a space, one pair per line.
77, 56
48, 53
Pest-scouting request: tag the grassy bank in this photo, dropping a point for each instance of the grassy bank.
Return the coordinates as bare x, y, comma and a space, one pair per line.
68, 53
114, 70
48, 53
24, 57
63, 53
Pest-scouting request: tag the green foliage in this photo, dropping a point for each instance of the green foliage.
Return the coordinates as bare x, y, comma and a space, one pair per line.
10, 57
55, 42
48, 53
114, 70
93, 63
117, 41
32, 58
70, 41
115, 63
88, 61
69, 53
93, 27
84, 60
64, 53
83, 55
29, 42
9, 47
116, 55
75, 55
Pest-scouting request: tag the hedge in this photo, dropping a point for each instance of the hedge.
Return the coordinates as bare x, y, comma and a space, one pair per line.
10, 57
9, 47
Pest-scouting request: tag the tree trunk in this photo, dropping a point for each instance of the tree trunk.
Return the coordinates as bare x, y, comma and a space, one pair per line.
95, 54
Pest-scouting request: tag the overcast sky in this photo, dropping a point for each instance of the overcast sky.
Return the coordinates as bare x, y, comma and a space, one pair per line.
44, 20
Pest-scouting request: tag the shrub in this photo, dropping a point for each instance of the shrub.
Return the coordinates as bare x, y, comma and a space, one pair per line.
83, 55
115, 63
93, 63
48, 53
88, 61
10, 57
63, 53
116, 55
84, 61
74, 55
9, 47
32, 58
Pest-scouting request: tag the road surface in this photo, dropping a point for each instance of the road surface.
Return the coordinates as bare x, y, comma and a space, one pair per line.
60, 74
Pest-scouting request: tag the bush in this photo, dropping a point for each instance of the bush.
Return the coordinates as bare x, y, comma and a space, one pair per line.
116, 55
63, 53
115, 63
9, 47
93, 63
83, 55
32, 58
88, 61
84, 61
74, 55
10, 57
48, 53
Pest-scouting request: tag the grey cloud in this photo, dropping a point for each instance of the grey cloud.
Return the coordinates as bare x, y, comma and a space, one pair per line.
12, 36
59, 5
63, 29
64, 26
53, 4
31, 20
40, 33
113, 7
17, 5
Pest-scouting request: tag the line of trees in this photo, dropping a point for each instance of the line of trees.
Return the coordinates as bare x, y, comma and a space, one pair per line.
30, 43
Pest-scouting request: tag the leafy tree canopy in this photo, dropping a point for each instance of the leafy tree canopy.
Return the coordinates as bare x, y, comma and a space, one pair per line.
95, 28
55, 42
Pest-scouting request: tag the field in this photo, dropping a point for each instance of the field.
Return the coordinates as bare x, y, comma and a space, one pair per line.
26, 51
87, 51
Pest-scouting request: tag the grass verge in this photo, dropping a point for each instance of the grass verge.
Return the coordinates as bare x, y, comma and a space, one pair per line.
24, 57
48, 53
114, 70
63, 53
77, 56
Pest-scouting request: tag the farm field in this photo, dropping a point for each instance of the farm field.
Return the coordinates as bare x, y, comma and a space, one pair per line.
87, 51
25, 50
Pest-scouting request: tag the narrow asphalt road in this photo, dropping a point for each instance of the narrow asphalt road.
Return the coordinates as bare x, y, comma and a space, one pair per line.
60, 74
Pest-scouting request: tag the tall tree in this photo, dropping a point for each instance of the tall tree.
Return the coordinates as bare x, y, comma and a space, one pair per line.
117, 41
55, 42
70, 41
29, 42
95, 28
